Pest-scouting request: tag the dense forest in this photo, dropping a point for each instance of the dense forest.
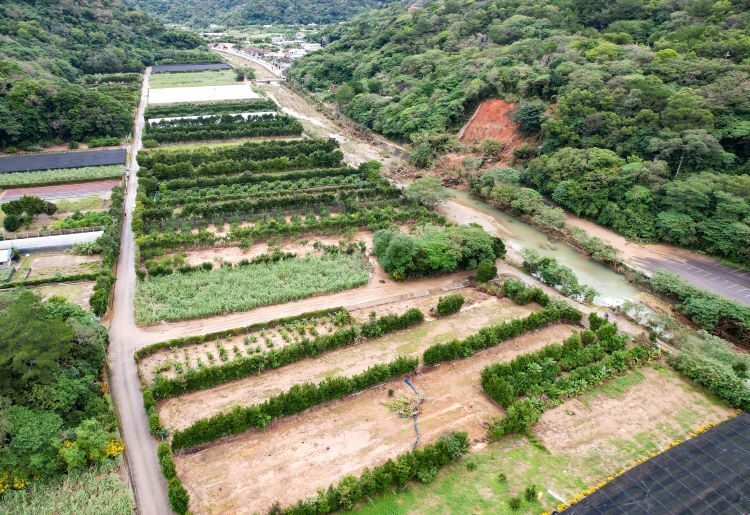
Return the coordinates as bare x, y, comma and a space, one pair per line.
54, 417
232, 13
57, 60
638, 113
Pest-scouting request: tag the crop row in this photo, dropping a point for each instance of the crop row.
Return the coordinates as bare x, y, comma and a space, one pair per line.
209, 376
61, 176
252, 127
294, 201
297, 399
227, 290
318, 158
212, 120
372, 218
259, 189
197, 109
255, 177
250, 151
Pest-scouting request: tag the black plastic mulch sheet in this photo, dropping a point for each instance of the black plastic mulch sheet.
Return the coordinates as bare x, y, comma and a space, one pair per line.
189, 67
52, 160
709, 473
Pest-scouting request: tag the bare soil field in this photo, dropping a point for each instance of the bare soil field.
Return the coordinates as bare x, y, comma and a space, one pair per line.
51, 264
77, 293
62, 191
297, 455
183, 411
200, 94
583, 424
493, 120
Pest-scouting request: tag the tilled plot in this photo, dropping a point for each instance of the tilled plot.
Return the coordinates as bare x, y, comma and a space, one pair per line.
295, 456
181, 412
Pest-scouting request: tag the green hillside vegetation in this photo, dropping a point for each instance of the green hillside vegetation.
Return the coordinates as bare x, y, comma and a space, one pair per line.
201, 13
641, 110
48, 51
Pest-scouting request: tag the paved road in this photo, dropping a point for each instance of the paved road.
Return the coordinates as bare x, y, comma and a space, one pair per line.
147, 480
50, 242
709, 275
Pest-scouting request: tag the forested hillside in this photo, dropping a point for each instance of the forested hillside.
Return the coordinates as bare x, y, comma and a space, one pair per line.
49, 48
642, 109
201, 13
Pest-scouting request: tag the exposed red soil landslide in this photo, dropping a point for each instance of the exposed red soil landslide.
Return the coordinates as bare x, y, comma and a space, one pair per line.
493, 120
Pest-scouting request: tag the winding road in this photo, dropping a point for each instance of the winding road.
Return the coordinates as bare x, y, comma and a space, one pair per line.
140, 448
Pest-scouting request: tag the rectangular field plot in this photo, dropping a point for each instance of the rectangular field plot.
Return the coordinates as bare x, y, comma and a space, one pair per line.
226, 290
295, 456
60, 176
224, 126
204, 108
200, 94
160, 68
51, 265
77, 292
192, 79
115, 156
180, 412
100, 189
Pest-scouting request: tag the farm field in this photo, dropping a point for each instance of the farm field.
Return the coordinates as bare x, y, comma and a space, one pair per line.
58, 160
174, 95
192, 79
53, 264
63, 176
585, 439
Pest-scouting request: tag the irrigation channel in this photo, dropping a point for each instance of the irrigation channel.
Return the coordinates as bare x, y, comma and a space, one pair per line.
613, 289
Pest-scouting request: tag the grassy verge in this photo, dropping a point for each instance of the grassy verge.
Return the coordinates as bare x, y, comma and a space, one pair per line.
101, 491
227, 290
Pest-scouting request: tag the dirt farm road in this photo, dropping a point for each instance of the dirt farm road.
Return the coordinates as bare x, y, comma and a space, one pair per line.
145, 474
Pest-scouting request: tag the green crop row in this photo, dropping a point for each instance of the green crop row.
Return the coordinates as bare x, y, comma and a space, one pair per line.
61, 176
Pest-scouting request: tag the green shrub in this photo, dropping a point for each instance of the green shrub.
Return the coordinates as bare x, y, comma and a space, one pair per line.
559, 276
521, 294
179, 499
449, 304
530, 493
486, 271
12, 222
514, 503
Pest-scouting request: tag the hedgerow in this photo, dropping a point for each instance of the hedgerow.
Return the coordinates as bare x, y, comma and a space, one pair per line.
297, 399
109, 243
195, 109
221, 127
177, 495
250, 151
418, 465
493, 335
531, 383
208, 376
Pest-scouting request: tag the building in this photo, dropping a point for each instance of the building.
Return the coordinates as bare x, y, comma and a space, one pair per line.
5, 258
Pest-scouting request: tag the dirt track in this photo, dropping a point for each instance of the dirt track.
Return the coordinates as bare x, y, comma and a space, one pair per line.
296, 455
